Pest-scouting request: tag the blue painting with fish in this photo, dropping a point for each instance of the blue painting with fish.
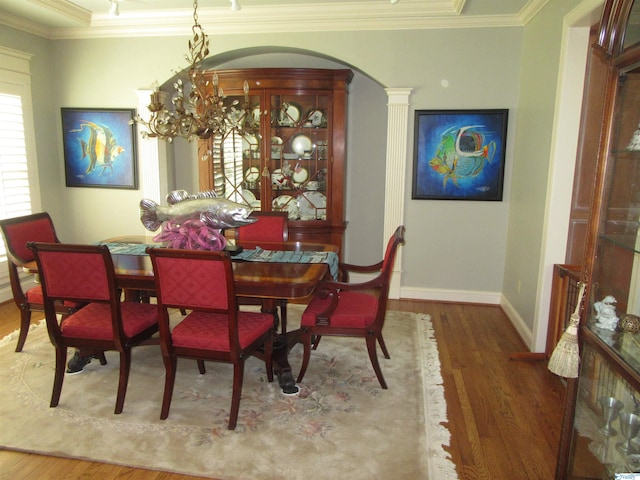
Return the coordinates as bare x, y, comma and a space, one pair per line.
99, 148
459, 154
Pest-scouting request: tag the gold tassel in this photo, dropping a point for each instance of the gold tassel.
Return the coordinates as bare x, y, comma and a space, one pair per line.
565, 358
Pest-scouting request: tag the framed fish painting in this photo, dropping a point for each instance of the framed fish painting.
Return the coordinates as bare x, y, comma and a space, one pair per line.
459, 154
99, 148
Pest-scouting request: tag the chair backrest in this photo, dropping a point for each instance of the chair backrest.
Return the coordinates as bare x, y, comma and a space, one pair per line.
270, 227
17, 231
195, 280
79, 273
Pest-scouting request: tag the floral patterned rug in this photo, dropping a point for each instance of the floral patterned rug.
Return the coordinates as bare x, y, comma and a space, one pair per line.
341, 425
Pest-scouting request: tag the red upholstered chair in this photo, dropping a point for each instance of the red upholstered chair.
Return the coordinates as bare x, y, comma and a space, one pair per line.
270, 227
16, 232
215, 329
352, 309
84, 273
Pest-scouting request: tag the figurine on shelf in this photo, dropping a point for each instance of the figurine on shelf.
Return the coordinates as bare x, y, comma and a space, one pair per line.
606, 317
634, 144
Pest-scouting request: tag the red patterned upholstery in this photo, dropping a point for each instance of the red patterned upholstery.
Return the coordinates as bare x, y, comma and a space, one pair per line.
187, 283
95, 321
352, 309
270, 227
17, 231
85, 273
75, 275
210, 331
31, 228
215, 329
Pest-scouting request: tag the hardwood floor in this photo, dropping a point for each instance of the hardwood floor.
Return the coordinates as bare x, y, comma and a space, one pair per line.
504, 415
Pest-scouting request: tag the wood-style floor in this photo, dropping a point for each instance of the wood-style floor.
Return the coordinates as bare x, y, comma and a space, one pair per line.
504, 415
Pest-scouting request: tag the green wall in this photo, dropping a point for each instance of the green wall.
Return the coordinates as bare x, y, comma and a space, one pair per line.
455, 250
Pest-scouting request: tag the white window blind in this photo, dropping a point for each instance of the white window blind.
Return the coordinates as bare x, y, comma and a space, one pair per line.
15, 197
19, 187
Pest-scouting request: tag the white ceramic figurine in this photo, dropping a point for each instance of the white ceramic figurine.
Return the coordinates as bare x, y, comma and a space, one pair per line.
606, 317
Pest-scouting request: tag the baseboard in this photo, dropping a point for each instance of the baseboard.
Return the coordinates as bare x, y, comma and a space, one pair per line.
442, 295
469, 296
517, 321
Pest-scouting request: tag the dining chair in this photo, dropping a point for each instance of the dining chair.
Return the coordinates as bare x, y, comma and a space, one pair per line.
85, 273
352, 309
215, 329
17, 231
270, 227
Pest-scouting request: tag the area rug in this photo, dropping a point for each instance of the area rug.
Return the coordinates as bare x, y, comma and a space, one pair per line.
341, 425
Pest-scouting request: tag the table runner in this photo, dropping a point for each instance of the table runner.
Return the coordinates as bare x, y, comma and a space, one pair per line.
254, 255
287, 256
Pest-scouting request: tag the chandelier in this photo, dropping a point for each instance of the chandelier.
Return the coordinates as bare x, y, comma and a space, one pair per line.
201, 112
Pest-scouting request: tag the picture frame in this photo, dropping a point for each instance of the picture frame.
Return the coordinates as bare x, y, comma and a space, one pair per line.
99, 147
459, 154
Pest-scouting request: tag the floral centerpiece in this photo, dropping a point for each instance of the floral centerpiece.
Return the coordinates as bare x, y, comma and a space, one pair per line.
193, 222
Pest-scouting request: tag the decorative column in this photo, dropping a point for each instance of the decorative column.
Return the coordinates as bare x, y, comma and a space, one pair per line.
397, 137
152, 159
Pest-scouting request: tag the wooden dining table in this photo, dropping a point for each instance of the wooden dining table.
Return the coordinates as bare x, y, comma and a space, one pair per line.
265, 280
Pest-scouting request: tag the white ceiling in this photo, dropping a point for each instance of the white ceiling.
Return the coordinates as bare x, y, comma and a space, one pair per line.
57, 19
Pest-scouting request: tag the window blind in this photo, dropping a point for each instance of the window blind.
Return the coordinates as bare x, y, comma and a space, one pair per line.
15, 197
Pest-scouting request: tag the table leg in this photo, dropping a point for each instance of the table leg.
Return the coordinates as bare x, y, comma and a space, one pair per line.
282, 344
81, 358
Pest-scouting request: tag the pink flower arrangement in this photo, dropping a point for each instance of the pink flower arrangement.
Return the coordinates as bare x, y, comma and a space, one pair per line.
191, 235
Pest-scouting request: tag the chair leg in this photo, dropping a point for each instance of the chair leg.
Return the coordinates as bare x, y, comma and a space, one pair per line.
306, 342
170, 365
383, 346
283, 315
61, 363
373, 356
201, 367
316, 341
25, 321
268, 357
100, 356
125, 367
238, 374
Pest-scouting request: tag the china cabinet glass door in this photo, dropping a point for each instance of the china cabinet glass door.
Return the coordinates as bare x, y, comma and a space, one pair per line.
293, 157
607, 418
299, 153
605, 438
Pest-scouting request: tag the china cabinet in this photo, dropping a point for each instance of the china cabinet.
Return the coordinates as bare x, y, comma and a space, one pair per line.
601, 431
291, 156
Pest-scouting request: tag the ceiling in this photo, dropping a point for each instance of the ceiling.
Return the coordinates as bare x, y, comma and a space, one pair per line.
65, 19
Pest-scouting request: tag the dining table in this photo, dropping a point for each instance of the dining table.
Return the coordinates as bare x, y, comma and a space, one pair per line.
288, 270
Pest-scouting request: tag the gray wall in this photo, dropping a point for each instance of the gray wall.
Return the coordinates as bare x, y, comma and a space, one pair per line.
454, 249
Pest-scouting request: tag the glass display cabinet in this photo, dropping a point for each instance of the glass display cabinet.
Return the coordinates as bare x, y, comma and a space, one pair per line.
292, 158
601, 431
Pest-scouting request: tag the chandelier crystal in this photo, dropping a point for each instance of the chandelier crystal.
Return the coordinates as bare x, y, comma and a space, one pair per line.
197, 109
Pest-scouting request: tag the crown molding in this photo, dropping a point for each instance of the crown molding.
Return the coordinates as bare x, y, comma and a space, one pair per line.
531, 10
25, 25
366, 15
66, 9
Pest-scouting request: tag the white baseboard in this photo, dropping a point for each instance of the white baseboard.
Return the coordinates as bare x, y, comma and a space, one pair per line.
469, 296
442, 295
518, 322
